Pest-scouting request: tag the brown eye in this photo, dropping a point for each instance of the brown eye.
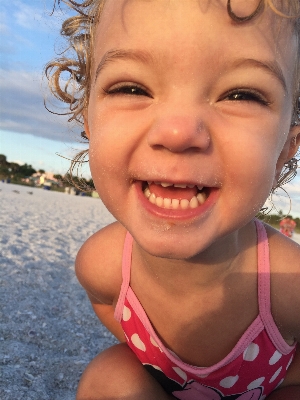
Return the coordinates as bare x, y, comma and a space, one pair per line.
244, 10
246, 95
242, 96
132, 90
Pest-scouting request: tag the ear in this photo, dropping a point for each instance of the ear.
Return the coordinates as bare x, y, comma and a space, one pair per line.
294, 141
289, 150
86, 124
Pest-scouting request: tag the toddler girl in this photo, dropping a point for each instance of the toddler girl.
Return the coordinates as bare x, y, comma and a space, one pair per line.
190, 109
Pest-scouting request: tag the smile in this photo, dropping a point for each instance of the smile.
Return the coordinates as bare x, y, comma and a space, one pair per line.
175, 196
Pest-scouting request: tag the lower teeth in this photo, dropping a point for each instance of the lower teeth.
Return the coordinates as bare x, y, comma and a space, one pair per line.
175, 204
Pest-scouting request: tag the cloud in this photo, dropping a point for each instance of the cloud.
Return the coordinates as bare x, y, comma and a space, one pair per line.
7, 45
22, 108
3, 27
287, 200
28, 26
12, 39
37, 17
27, 16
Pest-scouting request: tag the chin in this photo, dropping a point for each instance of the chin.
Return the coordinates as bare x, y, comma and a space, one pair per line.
171, 246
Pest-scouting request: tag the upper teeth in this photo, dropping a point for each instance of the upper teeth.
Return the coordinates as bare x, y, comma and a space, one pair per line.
182, 185
175, 203
177, 185
164, 184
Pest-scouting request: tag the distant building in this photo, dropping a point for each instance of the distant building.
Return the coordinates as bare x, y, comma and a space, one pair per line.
44, 179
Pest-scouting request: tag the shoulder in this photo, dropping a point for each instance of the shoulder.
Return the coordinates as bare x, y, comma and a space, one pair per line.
99, 263
284, 252
285, 282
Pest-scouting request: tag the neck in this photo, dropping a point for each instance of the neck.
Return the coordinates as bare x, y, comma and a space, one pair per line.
204, 270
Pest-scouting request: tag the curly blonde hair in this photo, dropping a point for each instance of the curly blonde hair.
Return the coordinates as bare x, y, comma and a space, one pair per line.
79, 31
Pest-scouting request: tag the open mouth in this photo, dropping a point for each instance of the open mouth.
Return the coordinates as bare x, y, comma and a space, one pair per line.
175, 196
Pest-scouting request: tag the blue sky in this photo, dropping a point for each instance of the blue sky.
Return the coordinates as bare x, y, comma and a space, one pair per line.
29, 37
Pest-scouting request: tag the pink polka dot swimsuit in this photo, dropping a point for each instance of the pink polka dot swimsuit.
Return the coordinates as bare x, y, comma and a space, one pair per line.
252, 370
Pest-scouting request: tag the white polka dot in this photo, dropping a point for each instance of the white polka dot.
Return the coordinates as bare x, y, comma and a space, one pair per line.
256, 383
174, 354
251, 352
126, 314
153, 342
181, 373
137, 342
154, 366
275, 375
279, 383
290, 362
229, 381
202, 376
275, 357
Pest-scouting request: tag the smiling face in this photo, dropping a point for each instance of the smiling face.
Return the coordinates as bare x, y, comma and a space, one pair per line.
188, 116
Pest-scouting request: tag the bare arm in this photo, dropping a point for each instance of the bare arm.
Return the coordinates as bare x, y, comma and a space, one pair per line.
105, 313
98, 269
286, 393
285, 283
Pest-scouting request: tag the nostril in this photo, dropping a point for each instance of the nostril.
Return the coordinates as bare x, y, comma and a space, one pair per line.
179, 133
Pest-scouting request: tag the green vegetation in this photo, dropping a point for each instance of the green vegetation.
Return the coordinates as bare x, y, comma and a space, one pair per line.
27, 175
274, 219
80, 184
13, 171
22, 175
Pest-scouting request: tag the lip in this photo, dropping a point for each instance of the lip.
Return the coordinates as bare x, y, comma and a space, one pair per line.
170, 214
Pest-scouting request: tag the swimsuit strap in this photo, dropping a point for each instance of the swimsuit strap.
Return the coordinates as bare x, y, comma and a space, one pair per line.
263, 271
264, 290
264, 297
126, 264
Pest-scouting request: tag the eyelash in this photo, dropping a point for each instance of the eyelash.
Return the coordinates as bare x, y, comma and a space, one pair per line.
245, 95
127, 89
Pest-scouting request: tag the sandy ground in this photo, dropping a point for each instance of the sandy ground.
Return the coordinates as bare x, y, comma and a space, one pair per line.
296, 237
48, 331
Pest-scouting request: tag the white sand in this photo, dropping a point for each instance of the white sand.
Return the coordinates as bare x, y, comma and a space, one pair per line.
296, 237
48, 331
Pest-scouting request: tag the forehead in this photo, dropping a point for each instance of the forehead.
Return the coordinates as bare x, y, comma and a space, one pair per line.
173, 29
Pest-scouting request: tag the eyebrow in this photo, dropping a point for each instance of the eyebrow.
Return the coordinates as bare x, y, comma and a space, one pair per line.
117, 54
271, 67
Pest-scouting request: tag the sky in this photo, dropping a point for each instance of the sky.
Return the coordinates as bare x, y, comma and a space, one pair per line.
29, 38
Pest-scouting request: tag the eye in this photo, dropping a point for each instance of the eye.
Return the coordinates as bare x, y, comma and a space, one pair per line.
127, 89
246, 95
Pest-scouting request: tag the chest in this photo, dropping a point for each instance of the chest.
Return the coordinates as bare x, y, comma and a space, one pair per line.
241, 372
201, 330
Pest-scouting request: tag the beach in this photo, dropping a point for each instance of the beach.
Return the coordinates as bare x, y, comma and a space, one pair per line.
296, 237
48, 331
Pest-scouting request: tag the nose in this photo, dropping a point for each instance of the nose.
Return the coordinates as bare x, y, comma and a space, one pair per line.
179, 132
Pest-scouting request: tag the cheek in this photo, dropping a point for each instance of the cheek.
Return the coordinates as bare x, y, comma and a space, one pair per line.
101, 142
252, 168
108, 160
114, 140
102, 160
